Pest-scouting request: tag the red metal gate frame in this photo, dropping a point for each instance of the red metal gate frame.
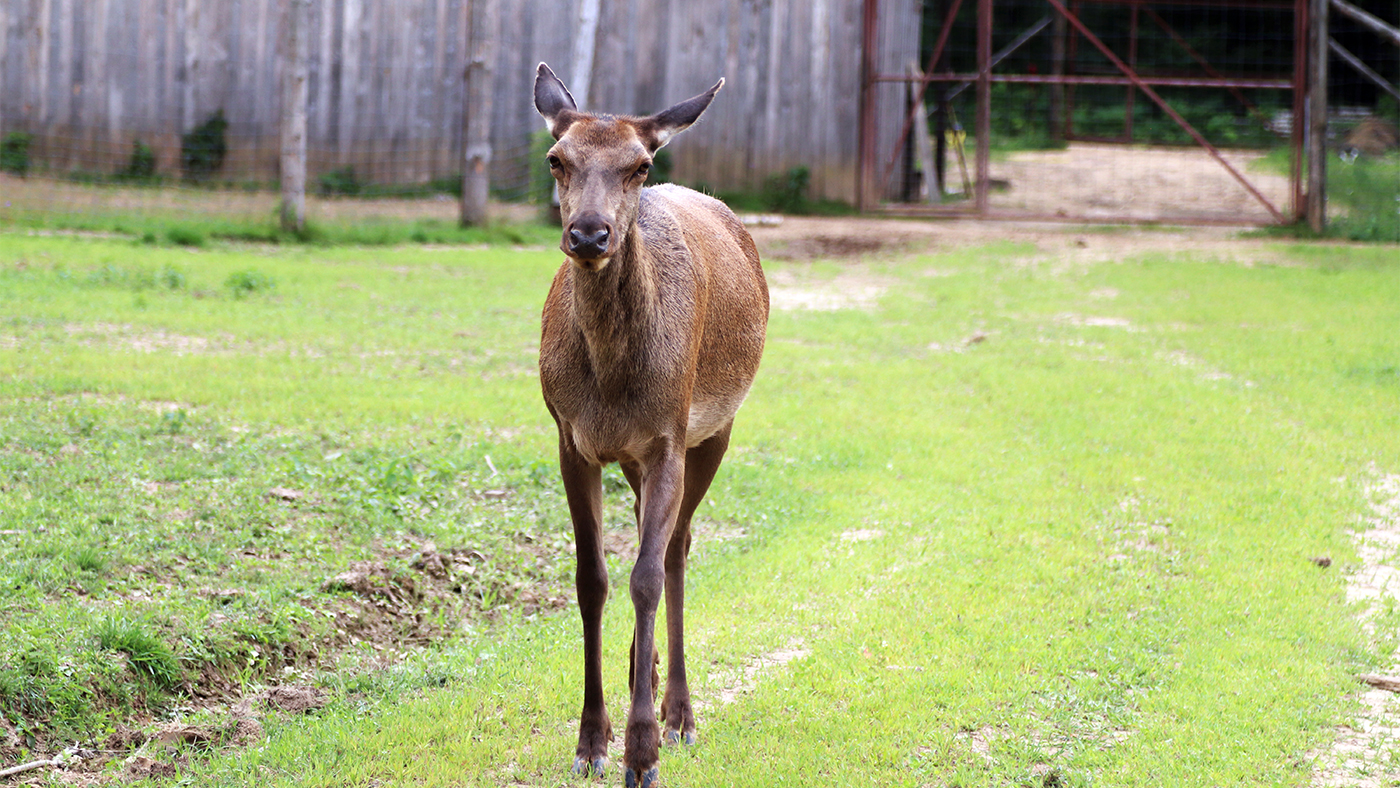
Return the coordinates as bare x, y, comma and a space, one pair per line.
868, 187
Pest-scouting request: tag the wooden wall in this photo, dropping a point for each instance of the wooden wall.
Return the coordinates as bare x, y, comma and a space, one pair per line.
87, 77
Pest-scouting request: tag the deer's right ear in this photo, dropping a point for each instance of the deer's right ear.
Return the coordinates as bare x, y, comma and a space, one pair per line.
553, 102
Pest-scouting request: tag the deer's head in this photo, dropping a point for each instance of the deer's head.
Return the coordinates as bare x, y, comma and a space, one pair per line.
601, 163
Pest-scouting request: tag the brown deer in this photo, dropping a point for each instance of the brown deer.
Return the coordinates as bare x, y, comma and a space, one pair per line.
652, 333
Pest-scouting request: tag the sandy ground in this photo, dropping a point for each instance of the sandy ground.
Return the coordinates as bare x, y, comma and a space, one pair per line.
1096, 182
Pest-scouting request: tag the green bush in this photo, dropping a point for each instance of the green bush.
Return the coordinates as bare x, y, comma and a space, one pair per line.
185, 236
14, 153
786, 192
141, 167
247, 282
202, 151
340, 181
1368, 191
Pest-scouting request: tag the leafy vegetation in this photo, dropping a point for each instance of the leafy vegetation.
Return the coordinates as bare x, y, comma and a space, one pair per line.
141, 168
1367, 190
14, 153
203, 149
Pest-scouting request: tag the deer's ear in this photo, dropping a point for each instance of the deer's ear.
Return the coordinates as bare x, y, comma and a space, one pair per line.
668, 123
553, 101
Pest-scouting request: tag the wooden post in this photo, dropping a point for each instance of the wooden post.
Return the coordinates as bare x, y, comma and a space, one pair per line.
1058, 31
294, 90
476, 164
1317, 116
982, 189
865, 162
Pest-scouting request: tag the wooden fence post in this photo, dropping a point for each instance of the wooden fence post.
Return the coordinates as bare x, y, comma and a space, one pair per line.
476, 165
1316, 142
294, 91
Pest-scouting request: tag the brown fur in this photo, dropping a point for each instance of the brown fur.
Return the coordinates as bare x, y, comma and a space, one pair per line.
651, 339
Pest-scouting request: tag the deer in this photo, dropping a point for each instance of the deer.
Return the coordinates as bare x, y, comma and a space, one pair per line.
651, 337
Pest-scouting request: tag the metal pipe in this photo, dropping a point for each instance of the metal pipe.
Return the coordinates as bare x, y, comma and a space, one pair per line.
1007, 51
1377, 26
1200, 59
1300, 94
1132, 61
918, 100
1173, 114
1355, 62
984, 105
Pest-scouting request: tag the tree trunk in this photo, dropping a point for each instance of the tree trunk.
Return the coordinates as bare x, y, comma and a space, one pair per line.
476, 164
294, 117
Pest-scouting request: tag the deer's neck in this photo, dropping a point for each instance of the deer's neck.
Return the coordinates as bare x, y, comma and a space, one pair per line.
614, 309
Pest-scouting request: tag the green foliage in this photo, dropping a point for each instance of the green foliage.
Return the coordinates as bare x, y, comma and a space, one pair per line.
541, 182
14, 153
339, 182
248, 281
1367, 192
786, 192
185, 235
203, 149
141, 168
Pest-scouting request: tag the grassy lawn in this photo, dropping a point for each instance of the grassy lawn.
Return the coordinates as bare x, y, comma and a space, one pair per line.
1026, 520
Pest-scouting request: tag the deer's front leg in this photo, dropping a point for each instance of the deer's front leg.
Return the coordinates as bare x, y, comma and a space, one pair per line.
583, 486
662, 482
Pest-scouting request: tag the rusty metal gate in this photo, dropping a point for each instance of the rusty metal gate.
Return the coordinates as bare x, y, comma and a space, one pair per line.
1136, 111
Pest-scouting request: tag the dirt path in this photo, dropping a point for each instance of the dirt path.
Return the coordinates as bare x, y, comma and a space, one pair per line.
1365, 752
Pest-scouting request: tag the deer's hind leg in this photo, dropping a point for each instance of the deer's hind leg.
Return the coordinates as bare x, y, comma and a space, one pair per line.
701, 463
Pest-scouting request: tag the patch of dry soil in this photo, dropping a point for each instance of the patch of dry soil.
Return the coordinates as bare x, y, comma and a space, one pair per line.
1366, 753
1100, 181
1059, 247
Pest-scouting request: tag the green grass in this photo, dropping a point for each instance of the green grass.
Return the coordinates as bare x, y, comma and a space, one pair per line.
1363, 195
1079, 547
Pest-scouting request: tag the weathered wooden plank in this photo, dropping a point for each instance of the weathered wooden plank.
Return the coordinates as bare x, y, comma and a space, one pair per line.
384, 80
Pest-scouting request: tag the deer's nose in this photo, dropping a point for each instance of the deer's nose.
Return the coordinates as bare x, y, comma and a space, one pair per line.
588, 242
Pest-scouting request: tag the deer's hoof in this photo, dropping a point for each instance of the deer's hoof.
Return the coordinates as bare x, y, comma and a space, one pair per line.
650, 779
583, 768
674, 738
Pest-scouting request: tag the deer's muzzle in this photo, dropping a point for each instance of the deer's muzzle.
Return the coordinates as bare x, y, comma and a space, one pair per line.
588, 238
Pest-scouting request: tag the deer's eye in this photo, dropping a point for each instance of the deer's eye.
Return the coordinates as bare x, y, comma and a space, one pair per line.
643, 169
554, 162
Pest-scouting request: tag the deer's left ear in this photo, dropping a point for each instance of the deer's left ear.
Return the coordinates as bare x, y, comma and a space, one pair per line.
553, 101
664, 125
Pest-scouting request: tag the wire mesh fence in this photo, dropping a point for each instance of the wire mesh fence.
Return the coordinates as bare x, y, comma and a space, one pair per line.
1138, 111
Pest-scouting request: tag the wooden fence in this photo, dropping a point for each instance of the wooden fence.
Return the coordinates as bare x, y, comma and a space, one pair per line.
89, 77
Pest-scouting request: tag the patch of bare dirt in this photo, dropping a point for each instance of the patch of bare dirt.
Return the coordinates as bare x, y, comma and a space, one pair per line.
40, 194
1051, 246
1143, 183
854, 289
1365, 752
409, 599
749, 675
